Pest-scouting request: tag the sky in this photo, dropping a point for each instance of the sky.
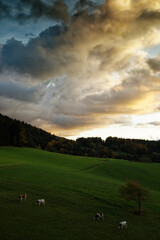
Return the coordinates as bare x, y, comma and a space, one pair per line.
82, 68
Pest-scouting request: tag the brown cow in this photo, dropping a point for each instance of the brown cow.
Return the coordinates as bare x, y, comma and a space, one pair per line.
22, 196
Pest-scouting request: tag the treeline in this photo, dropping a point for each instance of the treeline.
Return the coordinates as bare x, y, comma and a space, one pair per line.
112, 147
18, 133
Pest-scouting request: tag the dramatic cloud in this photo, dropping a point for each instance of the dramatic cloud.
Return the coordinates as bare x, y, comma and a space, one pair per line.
20, 92
29, 35
23, 10
92, 71
154, 63
84, 5
4, 10
112, 39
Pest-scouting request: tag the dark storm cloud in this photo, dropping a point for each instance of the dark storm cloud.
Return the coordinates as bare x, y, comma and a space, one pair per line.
17, 91
105, 36
29, 34
154, 64
69, 122
85, 5
4, 10
150, 15
49, 35
33, 58
23, 10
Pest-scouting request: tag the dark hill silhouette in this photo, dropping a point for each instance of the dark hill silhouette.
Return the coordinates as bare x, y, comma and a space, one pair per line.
17, 133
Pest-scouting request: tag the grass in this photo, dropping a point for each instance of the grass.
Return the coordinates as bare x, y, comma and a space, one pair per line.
75, 188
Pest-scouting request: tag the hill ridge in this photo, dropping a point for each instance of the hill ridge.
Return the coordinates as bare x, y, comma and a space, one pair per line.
17, 133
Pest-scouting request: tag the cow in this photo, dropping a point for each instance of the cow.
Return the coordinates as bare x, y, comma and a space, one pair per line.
41, 201
22, 196
99, 216
122, 225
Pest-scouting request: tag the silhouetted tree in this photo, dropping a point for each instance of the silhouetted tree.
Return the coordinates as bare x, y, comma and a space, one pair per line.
135, 192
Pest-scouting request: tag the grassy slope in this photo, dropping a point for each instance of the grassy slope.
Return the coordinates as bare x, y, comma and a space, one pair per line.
75, 188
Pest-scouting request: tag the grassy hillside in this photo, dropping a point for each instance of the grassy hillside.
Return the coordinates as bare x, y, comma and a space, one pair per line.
75, 188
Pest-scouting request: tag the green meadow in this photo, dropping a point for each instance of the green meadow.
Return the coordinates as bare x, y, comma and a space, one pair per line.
75, 189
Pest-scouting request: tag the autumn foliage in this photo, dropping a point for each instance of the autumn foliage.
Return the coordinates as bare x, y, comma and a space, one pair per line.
135, 192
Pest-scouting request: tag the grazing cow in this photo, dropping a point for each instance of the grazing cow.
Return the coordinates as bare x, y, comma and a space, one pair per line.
99, 216
22, 196
122, 225
41, 201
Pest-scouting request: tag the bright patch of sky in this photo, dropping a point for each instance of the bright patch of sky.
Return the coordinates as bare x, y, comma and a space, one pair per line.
153, 51
145, 119
137, 132
115, 76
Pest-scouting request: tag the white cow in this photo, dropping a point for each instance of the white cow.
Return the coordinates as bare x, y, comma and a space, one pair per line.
122, 225
22, 196
41, 201
99, 216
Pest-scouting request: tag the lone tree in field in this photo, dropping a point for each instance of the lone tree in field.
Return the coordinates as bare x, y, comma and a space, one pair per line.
135, 192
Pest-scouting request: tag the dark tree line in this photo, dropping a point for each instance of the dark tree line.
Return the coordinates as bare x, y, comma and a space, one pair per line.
18, 133
112, 147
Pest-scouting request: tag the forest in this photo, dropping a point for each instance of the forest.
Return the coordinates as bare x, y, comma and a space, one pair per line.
17, 133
